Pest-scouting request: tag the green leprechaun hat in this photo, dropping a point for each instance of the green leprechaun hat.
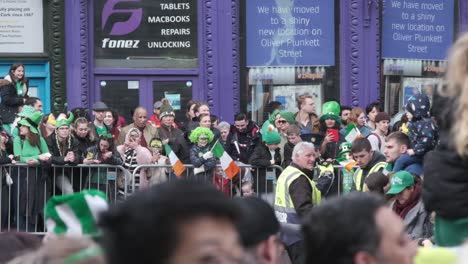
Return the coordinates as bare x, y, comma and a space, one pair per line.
32, 122
75, 214
331, 110
63, 121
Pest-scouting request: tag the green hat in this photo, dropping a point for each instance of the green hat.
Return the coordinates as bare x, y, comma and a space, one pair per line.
273, 115
271, 137
331, 110
198, 132
166, 109
75, 214
400, 181
63, 121
344, 148
288, 116
26, 111
32, 122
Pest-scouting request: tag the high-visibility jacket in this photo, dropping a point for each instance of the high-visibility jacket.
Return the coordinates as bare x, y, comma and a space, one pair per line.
284, 207
358, 179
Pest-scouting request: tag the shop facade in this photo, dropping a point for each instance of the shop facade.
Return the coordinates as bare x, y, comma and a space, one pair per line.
237, 55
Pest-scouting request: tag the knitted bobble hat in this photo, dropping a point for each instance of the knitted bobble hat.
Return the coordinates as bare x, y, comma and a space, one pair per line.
165, 109
75, 214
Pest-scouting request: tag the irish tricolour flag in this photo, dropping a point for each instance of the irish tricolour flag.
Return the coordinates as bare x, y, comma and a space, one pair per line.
177, 165
348, 164
228, 165
352, 132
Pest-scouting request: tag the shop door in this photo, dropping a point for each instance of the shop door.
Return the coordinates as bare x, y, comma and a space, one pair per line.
124, 94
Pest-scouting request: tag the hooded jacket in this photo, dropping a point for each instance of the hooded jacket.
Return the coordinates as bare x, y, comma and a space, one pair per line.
445, 184
421, 129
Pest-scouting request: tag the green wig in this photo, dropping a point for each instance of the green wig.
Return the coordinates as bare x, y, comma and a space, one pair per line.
197, 132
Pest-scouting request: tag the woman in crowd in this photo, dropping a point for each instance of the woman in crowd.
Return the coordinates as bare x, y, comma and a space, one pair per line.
47, 126
81, 131
200, 155
111, 120
329, 127
205, 121
31, 149
357, 118
64, 150
103, 152
10, 103
17, 76
224, 128
133, 155
371, 111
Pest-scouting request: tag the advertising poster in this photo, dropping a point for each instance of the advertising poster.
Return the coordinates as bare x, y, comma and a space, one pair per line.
287, 96
145, 29
413, 86
417, 29
21, 26
290, 32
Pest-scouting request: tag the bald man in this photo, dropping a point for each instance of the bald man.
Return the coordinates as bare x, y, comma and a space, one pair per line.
148, 132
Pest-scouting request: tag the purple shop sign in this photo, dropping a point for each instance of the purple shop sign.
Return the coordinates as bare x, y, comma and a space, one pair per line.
290, 33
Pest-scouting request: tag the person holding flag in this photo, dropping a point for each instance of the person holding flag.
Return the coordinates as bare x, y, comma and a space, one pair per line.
200, 153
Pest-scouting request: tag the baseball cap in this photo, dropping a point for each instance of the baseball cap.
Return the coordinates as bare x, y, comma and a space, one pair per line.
400, 181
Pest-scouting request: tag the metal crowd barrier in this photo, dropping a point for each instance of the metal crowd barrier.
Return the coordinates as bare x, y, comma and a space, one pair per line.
249, 181
25, 190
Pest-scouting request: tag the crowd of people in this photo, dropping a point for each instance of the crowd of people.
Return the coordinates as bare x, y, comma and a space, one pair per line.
349, 186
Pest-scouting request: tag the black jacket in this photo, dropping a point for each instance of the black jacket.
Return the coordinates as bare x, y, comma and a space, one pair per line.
246, 141
9, 103
59, 159
260, 158
445, 185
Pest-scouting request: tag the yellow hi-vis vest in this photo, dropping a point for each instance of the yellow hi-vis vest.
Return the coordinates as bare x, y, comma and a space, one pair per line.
359, 181
284, 207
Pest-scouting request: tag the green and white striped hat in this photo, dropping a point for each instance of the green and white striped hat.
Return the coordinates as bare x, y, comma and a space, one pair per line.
75, 214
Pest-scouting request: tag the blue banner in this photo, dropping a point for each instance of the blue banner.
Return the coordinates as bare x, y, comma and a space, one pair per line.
290, 32
417, 29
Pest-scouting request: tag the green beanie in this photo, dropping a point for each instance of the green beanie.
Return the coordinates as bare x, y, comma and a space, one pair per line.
271, 137
331, 110
288, 116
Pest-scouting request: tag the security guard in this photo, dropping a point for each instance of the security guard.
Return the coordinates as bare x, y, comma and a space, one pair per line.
296, 194
369, 161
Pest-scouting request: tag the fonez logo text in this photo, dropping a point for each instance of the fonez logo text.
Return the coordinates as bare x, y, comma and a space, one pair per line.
120, 43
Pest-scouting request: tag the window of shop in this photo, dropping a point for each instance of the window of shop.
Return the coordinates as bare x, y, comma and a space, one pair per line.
416, 36
145, 34
289, 49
